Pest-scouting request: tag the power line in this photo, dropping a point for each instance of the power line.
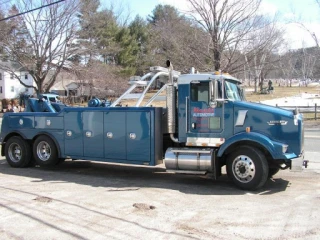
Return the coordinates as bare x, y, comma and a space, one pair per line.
4, 2
32, 10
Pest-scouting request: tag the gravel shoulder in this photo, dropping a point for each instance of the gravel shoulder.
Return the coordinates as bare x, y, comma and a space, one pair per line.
83, 200
312, 123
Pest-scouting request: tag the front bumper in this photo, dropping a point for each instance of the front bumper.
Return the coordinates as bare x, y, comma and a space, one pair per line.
299, 163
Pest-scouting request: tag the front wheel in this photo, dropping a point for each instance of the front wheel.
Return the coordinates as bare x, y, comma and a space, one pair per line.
45, 151
247, 167
17, 152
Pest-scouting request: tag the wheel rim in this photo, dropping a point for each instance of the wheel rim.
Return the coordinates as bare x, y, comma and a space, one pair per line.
243, 168
43, 151
15, 152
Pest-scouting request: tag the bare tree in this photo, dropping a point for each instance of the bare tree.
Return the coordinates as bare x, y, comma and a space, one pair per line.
3, 28
301, 23
262, 43
287, 67
41, 41
227, 22
175, 37
308, 60
100, 80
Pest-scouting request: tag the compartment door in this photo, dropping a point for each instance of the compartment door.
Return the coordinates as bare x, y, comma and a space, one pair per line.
115, 135
93, 134
73, 134
138, 136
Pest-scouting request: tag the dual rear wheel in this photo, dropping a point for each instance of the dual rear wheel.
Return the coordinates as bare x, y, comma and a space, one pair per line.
20, 154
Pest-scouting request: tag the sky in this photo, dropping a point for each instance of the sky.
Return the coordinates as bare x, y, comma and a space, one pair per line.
305, 10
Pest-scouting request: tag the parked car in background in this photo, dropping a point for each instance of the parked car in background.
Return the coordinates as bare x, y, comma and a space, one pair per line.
52, 97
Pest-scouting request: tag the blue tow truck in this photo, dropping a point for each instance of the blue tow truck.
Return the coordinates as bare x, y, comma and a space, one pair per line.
206, 124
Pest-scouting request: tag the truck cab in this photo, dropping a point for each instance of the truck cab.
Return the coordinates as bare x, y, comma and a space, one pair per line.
253, 140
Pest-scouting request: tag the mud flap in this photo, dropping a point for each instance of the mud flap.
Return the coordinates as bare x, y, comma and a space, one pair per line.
216, 168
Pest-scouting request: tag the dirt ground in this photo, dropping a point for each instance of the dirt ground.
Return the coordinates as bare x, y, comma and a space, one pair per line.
83, 200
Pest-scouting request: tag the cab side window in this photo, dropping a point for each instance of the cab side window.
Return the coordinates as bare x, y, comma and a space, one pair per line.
200, 92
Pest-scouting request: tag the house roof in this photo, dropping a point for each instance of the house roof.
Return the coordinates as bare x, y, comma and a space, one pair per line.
5, 65
62, 84
64, 78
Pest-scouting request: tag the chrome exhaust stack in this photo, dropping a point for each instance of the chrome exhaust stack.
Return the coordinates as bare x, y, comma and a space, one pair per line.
171, 104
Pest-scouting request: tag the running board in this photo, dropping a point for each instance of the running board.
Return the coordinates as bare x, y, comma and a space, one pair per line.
187, 172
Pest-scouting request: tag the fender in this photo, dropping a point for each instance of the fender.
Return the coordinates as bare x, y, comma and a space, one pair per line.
14, 132
273, 147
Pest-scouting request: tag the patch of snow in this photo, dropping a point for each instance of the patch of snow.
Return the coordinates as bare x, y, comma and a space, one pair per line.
304, 99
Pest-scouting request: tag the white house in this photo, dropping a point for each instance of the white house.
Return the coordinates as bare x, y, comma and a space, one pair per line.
78, 89
10, 87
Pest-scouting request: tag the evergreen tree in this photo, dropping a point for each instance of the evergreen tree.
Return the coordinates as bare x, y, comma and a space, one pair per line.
107, 36
139, 31
163, 13
88, 28
128, 53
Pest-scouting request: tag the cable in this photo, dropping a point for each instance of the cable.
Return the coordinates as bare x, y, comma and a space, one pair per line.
3, 19
5, 2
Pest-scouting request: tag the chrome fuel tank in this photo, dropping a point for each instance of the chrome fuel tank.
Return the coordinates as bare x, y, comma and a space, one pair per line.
188, 159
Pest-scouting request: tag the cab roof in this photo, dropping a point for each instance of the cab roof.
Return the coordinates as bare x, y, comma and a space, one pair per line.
188, 78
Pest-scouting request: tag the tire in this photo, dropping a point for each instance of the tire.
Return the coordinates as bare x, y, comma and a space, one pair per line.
45, 151
273, 171
61, 160
18, 152
247, 167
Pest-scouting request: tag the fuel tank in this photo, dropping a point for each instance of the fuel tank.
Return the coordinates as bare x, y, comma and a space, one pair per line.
188, 159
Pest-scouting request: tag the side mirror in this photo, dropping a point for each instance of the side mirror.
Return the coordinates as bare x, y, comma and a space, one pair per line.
242, 92
213, 94
213, 104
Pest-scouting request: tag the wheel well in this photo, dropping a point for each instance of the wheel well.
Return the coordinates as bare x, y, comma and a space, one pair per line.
236, 145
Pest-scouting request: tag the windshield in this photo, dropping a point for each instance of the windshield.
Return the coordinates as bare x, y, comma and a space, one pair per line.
233, 92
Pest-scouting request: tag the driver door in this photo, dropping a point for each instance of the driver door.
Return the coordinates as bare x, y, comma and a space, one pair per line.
204, 121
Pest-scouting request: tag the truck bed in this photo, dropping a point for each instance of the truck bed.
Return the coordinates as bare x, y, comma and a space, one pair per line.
120, 134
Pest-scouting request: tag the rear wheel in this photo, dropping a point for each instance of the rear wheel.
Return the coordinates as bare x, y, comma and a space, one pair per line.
247, 167
45, 151
18, 152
